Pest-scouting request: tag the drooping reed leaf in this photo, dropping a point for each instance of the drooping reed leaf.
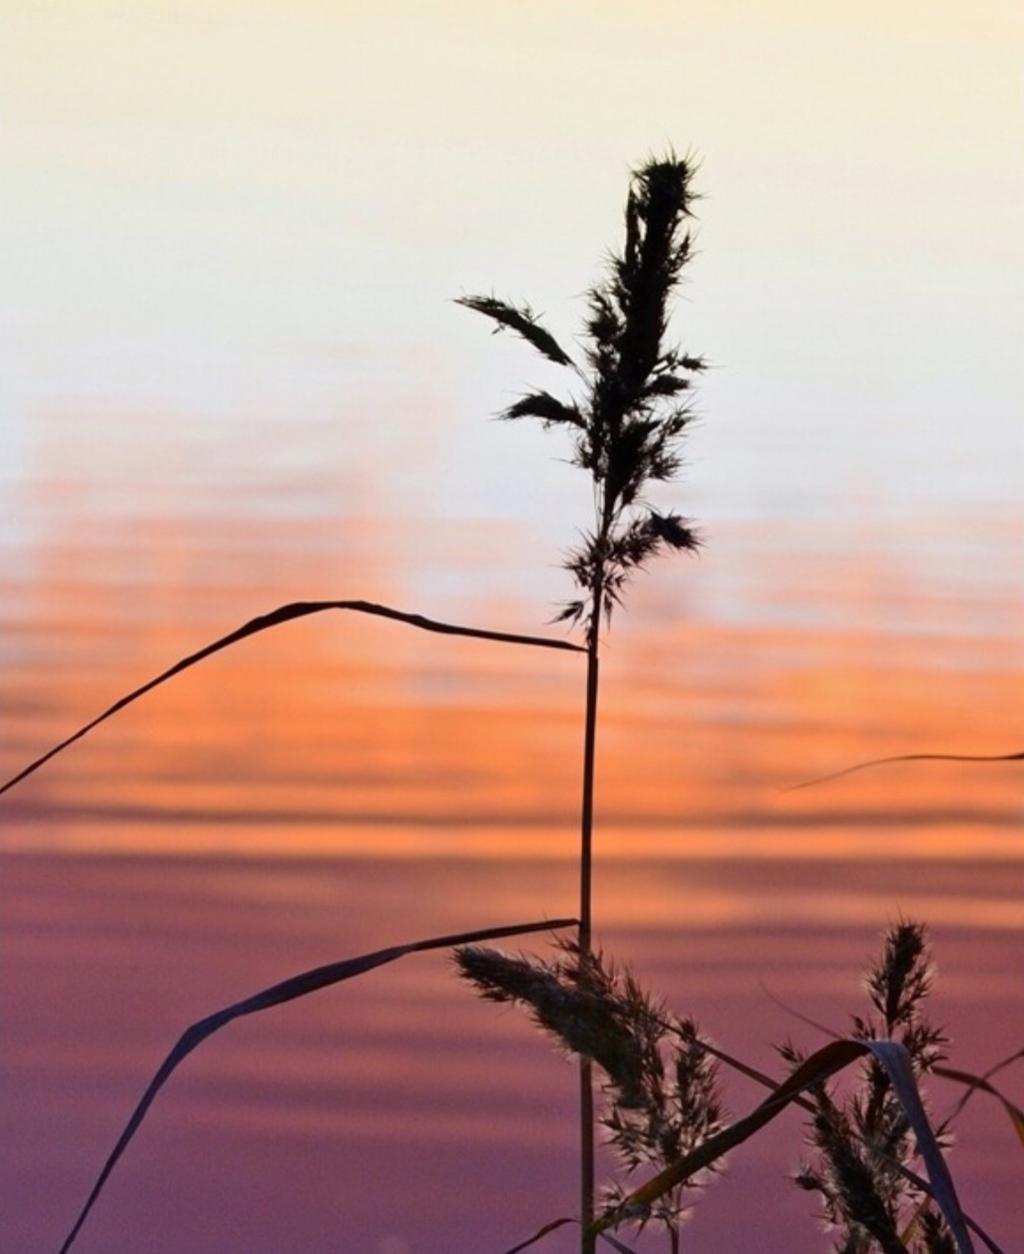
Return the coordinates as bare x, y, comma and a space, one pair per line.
799, 1014
287, 990
286, 614
541, 1233
895, 1058
905, 757
975, 1082
1016, 1056
549, 409
814, 1071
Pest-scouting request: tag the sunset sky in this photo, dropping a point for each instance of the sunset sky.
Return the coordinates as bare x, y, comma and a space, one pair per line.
232, 375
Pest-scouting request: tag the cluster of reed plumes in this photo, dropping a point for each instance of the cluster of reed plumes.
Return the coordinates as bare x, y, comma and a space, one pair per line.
661, 1105
662, 1100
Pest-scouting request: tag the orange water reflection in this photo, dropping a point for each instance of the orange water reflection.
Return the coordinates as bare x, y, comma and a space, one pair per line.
342, 735
340, 784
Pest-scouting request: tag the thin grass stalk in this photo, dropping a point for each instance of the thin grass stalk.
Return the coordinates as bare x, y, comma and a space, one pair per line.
587, 1240
905, 757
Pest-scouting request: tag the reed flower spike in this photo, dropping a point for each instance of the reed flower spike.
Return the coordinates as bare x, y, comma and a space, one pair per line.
635, 403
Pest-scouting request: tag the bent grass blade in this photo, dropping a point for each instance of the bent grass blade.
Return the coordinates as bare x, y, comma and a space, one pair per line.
286, 614
287, 990
541, 1233
904, 757
976, 1082
894, 1058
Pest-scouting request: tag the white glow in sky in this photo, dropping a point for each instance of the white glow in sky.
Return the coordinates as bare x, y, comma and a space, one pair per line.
216, 210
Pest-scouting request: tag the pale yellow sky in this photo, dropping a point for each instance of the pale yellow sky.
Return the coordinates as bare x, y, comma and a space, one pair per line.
211, 208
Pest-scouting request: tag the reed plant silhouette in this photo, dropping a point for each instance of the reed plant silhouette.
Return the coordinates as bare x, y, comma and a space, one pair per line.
626, 409
625, 419
671, 1117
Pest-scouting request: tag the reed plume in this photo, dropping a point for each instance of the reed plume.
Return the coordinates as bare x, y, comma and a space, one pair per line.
863, 1142
660, 1086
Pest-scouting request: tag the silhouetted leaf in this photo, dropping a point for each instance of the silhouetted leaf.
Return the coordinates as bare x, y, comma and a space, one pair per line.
667, 385
541, 1233
523, 321
288, 990
1016, 1056
571, 612
676, 532
287, 614
547, 408
907, 757
1014, 1112
894, 1058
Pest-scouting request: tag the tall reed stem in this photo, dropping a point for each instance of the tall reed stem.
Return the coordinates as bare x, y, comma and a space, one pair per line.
626, 433
587, 1241
586, 846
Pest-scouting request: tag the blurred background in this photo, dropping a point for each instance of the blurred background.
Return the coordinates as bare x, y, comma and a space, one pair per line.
231, 375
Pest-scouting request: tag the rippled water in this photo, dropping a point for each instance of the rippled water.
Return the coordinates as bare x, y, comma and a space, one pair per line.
342, 784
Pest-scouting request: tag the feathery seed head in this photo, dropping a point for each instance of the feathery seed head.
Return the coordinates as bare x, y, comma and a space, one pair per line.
627, 428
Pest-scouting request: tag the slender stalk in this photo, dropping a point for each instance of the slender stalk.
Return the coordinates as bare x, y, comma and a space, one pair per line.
587, 1241
589, 757
586, 879
626, 429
